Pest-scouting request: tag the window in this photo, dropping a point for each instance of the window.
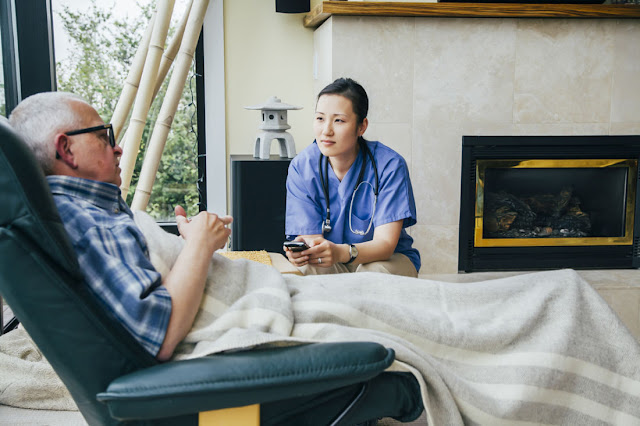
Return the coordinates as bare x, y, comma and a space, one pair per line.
8, 70
3, 102
95, 43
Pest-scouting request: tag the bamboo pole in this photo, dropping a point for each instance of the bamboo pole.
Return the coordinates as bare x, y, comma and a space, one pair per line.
169, 106
171, 50
143, 100
132, 82
167, 59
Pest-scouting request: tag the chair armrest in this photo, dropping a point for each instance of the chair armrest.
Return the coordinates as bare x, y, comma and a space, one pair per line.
243, 378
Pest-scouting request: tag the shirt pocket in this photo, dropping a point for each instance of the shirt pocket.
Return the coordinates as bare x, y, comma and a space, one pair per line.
359, 227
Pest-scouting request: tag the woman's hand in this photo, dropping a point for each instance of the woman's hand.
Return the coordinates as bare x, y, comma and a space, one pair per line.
297, 258
321, 252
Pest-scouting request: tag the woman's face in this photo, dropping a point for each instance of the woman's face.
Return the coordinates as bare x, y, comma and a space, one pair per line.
336, 127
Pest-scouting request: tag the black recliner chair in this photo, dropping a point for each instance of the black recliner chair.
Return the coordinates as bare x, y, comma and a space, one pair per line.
113, 380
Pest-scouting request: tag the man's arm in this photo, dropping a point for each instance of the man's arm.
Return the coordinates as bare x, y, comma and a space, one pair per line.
203, 235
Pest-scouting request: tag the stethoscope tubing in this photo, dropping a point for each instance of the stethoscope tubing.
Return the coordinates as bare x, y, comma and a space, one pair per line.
324, 181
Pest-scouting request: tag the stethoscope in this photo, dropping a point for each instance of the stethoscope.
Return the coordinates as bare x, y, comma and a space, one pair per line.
324, 180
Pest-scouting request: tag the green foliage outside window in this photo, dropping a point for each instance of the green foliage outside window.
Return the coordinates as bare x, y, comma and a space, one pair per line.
96, 68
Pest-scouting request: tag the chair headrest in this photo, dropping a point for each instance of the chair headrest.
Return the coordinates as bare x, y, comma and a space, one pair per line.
27, 203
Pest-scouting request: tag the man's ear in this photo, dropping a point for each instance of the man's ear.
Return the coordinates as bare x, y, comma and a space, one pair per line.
63, 150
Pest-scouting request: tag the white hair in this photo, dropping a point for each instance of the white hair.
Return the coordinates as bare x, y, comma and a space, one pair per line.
39, 117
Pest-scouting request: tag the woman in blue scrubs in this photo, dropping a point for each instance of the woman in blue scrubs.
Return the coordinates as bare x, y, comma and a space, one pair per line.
348, 198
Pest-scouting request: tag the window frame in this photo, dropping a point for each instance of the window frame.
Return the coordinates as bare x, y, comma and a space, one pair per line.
27, 49
28, 55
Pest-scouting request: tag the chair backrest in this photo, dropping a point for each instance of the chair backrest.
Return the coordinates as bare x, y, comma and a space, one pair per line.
41, 281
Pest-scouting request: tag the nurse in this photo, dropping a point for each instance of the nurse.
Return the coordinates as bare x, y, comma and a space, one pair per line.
349, 199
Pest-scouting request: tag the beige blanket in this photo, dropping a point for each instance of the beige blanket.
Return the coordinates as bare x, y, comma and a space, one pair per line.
541, 348
26, 378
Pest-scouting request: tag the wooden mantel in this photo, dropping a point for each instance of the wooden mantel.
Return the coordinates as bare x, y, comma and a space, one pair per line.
323, 11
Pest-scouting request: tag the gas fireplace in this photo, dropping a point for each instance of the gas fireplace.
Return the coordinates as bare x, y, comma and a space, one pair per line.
530, 202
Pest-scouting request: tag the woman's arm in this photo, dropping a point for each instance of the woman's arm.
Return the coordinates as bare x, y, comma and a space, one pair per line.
381, 247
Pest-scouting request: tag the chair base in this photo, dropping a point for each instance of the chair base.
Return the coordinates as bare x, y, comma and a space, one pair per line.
248, 415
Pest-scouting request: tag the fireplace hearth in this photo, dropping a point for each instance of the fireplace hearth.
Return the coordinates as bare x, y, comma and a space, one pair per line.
546, 202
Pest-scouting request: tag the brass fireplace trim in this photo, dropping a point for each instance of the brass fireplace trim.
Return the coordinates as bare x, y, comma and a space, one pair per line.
627, 239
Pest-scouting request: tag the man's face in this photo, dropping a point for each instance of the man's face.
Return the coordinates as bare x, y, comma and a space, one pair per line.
95, 158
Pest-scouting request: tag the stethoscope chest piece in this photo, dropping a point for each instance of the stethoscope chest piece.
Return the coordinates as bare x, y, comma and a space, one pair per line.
324, 179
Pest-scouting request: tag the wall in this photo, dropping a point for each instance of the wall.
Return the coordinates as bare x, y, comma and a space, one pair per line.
433, 80
266, 54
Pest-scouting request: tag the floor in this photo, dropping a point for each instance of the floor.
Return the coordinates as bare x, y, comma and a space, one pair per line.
620, 288
10, 416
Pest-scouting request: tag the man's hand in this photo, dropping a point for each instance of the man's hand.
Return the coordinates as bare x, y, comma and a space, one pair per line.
207, 228
203, 235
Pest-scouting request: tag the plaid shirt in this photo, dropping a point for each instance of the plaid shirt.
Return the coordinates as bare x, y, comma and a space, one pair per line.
113, 256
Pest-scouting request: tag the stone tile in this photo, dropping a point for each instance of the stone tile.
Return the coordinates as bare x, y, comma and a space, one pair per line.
396, 136
378, 53
495, 128
625, 96
322, 55
560, 129
612, 278
625, 128
435, 174
464, 71
437, 154
563, 71
438, 246
626, 304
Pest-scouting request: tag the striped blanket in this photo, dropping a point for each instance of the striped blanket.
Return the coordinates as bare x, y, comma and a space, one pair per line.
541, 348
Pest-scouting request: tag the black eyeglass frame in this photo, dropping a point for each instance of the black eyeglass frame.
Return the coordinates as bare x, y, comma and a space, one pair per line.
108, 127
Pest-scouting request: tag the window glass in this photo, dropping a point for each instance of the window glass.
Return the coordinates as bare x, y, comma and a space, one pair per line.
3, 105
95, 43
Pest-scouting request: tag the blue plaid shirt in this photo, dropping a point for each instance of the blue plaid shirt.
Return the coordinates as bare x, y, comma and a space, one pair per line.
113, 256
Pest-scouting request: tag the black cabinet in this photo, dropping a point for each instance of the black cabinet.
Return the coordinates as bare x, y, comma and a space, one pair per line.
258, 202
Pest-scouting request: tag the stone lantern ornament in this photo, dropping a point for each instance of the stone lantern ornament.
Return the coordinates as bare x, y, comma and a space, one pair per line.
274, 126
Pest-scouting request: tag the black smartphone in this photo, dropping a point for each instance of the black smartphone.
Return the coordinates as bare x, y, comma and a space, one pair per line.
296, 245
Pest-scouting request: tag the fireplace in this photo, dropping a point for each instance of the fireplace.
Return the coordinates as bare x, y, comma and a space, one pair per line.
543, 202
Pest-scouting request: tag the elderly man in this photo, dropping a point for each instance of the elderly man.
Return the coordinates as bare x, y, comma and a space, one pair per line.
78, 153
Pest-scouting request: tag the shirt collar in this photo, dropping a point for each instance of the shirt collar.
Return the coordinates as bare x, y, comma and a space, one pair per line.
101, 194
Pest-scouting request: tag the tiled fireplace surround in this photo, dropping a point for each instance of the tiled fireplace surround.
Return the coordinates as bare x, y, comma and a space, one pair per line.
433, 80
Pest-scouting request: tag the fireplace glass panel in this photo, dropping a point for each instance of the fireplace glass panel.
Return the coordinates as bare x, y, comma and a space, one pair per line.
554, 202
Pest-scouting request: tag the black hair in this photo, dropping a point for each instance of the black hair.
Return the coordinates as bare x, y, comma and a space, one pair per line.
351, 90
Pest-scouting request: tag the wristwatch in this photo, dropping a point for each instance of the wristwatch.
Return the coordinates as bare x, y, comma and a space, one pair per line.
353, 252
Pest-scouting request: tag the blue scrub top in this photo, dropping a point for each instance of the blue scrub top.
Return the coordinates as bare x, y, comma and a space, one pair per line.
306, 206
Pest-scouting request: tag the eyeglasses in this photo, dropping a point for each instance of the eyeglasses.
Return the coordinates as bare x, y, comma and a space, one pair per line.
107, 127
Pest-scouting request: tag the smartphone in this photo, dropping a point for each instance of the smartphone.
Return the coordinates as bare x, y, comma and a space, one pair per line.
296, 245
